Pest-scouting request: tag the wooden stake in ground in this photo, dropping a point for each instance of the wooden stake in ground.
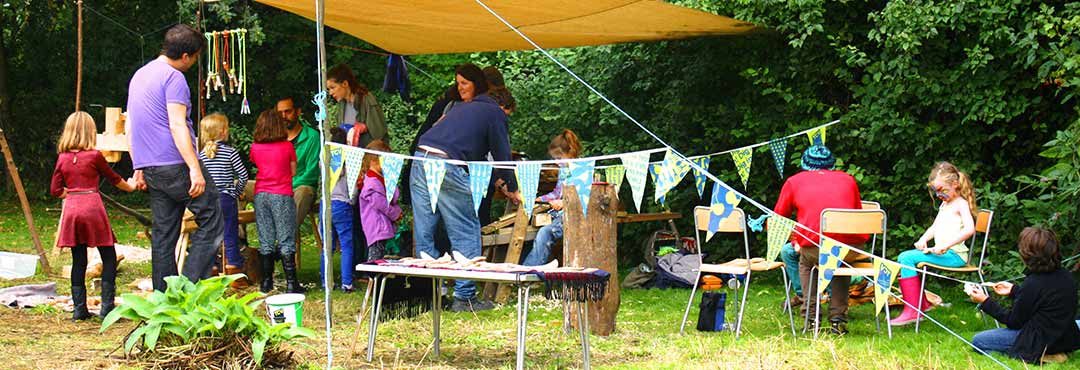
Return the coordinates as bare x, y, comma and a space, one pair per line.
25, 203
590, 242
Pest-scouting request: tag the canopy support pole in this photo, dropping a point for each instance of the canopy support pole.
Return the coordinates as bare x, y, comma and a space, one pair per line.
324, 176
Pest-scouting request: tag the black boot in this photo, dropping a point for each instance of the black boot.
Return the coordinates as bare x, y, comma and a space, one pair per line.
288, 263
267, 262
108, 297
78, 298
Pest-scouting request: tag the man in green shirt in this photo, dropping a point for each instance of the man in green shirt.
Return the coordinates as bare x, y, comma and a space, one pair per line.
306, 142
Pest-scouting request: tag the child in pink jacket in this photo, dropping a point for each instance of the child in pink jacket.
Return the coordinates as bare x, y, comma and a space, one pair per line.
377, 216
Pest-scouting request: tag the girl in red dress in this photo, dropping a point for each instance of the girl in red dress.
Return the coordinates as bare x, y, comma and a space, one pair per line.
83, 223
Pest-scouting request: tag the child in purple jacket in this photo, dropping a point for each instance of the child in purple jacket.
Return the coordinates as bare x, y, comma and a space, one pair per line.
377, 216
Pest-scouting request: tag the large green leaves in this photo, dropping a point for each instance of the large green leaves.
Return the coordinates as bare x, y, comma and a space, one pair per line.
186, 312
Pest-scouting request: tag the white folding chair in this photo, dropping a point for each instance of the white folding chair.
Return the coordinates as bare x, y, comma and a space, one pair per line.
871, 219
982, 225
733, 223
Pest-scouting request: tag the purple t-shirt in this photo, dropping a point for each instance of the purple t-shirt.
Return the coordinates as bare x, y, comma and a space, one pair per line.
152, 87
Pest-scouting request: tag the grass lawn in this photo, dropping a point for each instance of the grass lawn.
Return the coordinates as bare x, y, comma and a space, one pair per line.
646, 336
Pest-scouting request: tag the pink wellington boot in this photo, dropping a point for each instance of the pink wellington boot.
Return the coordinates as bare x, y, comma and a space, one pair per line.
910, 288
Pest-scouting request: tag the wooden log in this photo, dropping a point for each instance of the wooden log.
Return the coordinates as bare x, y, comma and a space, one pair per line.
14, 172
589, 241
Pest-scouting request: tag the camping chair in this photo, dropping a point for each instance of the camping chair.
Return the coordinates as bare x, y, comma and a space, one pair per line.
869, 220
982, 225
733, 223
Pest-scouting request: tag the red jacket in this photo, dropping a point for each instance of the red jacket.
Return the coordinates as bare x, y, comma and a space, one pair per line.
809, 192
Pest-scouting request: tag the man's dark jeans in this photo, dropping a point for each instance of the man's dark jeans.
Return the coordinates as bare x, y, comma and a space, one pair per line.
168, 187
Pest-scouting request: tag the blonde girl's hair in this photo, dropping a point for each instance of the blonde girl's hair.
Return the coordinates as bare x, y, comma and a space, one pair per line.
80, 133
948, 172
565, 143
213, 129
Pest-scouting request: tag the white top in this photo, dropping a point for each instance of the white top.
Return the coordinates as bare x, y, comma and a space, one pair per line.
947, 226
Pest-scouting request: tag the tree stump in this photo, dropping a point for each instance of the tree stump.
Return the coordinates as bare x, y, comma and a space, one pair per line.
590, 242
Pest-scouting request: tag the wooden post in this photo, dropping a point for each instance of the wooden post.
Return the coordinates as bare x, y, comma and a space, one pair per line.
513, 252
25, 203
590, 242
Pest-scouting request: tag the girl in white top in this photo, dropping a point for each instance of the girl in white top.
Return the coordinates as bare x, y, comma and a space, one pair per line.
953, 225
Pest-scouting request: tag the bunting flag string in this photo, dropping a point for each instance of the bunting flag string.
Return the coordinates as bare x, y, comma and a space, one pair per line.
830, 255
434, 173
391, 171
479, 179
816, 135
654, 174
614, 175
636, 165
886, 275
336, 163
723, 202
353, 158
743, 159
779, 233
778, 147
699, 177
528, 178
581, 178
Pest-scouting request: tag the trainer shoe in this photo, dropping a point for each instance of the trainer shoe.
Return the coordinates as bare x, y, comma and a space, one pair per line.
838, 328
471, 305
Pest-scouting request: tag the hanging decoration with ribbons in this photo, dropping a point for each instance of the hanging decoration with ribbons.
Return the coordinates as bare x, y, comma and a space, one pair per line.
353, 158
614, 176
636, 165
886, 275
829, 258
778, 147
816, 135
479, 179
226, 67
581, 178
743, 158
528, 178
434, 173
779, 233
700, 180
391, 169
723, 202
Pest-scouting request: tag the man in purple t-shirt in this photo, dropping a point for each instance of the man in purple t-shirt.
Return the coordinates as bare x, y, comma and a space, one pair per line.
165, 161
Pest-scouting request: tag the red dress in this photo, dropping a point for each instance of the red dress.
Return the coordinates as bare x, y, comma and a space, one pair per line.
84, 221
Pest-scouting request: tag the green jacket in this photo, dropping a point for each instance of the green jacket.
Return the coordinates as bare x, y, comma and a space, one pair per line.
307, 156
369, 113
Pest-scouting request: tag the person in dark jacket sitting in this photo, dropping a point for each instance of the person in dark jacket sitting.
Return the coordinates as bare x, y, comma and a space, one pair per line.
1040, 326
474, 127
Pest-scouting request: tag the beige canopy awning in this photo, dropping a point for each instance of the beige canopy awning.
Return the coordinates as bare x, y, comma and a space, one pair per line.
456, 26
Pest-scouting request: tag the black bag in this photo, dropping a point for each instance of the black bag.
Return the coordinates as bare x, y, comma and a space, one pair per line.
711, 313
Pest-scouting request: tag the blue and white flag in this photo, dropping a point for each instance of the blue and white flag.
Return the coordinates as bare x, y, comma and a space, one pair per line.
699, 177
354, 157
581, 177
528, 178
479, 179
434, 173
778, 147
391, 170
654, 173
723, 202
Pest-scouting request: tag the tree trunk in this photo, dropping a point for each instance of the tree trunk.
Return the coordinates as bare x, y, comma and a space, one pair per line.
590, 242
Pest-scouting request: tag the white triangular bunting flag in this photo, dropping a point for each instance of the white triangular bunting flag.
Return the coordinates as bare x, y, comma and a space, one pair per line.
637, 168
391, 170
581, 177
528, 178
353, 159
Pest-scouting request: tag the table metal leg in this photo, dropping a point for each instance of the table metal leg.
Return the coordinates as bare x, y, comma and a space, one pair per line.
436, 312
583, 325
523, 318
374, 326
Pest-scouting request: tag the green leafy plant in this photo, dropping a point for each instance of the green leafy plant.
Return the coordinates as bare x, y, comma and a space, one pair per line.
195, 321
